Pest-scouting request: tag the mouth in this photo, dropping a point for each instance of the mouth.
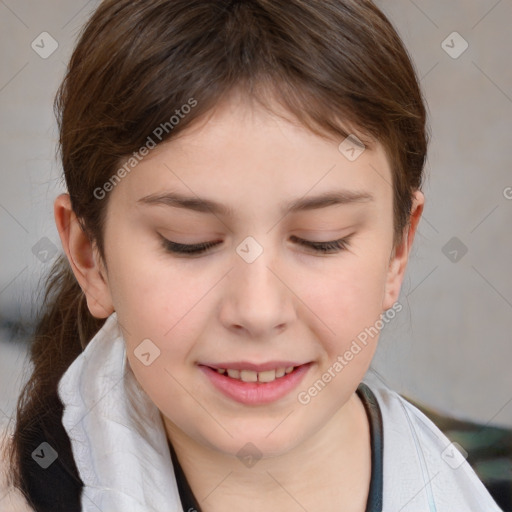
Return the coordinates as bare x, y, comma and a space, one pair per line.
253, 376
252, 384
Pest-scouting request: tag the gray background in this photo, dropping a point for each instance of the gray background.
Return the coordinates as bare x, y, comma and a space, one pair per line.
449, 348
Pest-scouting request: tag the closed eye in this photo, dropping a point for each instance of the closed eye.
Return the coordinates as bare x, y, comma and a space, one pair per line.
329, 247
325, 247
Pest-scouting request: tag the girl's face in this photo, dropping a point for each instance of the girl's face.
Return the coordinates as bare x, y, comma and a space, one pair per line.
259, 299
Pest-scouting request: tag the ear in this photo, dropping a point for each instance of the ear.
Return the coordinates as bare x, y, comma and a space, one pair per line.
400, 254
84, 259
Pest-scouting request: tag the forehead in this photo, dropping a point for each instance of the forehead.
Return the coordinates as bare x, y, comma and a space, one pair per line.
242, 151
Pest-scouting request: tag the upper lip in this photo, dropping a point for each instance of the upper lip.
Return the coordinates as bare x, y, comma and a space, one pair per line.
245, 365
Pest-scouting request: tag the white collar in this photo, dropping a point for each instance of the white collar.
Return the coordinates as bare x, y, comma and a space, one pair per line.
117, 437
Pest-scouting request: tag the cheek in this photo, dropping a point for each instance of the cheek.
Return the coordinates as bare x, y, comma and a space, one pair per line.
348, 307
150, 294
346, 298
161, 314
157, 308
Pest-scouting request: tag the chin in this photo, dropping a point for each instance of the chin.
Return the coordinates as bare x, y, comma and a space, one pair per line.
257, 439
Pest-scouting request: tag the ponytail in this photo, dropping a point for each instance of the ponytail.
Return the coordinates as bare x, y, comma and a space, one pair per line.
64, 328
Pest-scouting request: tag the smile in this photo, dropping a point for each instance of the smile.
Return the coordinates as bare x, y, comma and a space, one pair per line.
251, 384
252, 376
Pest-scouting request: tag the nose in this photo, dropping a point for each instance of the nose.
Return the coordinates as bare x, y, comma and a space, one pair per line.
257, 300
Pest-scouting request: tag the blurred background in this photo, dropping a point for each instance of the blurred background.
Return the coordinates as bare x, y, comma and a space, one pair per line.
449, 350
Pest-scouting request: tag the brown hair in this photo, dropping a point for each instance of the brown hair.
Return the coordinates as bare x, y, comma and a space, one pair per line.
327, 62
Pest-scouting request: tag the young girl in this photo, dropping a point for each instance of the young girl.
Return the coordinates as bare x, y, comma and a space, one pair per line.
243, 186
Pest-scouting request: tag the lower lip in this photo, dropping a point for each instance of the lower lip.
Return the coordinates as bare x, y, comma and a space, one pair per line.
256, 393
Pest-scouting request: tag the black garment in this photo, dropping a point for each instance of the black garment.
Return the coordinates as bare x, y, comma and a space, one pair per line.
374, 502
57, 488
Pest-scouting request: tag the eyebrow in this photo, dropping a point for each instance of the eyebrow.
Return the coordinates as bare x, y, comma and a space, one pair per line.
200, 204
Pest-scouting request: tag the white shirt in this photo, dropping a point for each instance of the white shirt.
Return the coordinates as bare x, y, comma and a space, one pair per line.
423, 471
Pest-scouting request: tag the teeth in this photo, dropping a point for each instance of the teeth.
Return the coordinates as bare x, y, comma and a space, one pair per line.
248, 376
234, 374
252, 376
267, 376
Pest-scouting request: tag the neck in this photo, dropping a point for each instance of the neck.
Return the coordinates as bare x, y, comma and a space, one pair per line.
329, 471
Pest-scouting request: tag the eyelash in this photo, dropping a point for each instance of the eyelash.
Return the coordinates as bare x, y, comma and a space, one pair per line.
195, 249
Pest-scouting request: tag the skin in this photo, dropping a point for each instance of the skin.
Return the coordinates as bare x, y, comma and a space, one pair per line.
291, 303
